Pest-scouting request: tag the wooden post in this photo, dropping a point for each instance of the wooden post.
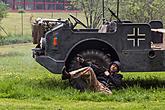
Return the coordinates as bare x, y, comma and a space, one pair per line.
103, 9
90, 12
34, 4
64, 3
13, 4
118, 3
21, 12
44, 5
24, 5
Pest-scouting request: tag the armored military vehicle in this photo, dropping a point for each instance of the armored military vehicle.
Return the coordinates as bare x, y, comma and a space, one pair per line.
138, 46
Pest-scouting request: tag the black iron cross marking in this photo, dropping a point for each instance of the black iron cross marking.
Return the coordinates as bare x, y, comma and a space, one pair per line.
136, 37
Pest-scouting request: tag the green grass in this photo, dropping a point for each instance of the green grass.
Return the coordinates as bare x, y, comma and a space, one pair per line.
77, 105
15, 39
24, 84
12, 23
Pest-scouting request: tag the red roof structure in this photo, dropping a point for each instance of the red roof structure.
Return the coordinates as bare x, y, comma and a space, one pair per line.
42, 5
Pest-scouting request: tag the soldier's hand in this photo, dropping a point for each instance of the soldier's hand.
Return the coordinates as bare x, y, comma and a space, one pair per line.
79, 59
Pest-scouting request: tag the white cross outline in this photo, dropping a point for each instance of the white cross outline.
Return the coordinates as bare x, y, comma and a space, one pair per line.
138, 39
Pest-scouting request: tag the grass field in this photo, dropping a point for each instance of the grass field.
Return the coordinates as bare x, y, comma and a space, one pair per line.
12, 23
24, 84
13, 26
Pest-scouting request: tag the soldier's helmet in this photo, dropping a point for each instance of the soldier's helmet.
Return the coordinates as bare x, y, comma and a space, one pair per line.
117, 64
112, 27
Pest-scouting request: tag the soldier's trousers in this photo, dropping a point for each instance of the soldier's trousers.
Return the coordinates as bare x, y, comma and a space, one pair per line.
88, 74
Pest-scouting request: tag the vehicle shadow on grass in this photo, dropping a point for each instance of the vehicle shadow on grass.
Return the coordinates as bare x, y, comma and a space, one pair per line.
56, 83
144, 83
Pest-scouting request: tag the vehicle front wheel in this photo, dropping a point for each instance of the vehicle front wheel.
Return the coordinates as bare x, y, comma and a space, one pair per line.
96, 57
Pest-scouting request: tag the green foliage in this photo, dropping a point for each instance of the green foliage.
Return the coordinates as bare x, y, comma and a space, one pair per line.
142, 10
92, 10
3, 10
134, 10
14, 39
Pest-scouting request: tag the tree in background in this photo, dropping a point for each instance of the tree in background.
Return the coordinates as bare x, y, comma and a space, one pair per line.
3, 11
142, 10
139, 11
92, 10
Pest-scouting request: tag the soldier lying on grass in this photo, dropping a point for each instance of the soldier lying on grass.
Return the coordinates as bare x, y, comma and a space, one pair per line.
97, 79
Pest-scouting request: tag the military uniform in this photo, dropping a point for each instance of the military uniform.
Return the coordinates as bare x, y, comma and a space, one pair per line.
88, 75
94, 78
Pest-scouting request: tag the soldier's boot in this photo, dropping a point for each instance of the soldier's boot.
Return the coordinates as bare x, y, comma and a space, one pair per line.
65, 74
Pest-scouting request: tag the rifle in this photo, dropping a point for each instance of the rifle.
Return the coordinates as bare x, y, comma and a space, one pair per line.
115, 15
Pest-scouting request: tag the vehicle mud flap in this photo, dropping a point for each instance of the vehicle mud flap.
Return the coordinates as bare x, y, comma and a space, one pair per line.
164, 58
49, 63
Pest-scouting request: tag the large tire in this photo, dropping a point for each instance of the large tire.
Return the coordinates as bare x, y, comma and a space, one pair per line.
94, 56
